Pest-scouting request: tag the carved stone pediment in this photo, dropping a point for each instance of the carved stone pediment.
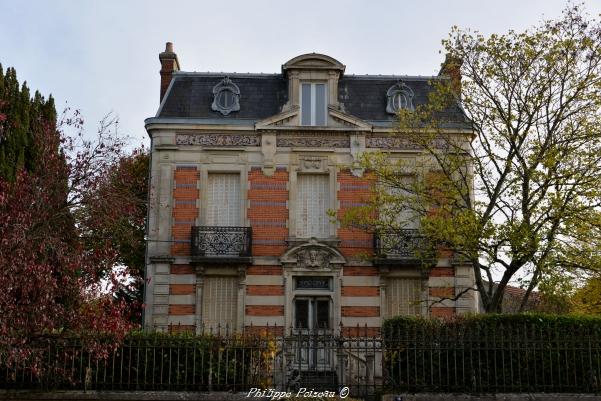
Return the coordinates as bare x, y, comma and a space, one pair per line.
313, 255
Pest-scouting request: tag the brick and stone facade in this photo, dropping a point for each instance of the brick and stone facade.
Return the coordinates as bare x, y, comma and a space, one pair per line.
246, 167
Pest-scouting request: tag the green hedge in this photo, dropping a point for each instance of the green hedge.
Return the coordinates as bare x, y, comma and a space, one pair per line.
494, 353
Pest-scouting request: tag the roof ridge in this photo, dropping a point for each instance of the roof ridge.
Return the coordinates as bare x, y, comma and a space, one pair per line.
277, 74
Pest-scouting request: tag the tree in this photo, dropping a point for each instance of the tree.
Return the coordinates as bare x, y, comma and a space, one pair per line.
124, 184
587, 299
519, 198
52, 281
20, 118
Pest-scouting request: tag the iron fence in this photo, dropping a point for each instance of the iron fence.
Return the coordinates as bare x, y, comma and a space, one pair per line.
494, 358
520, 358
206, 363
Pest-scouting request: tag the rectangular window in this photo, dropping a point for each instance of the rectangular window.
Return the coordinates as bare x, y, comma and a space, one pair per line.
223, 200
313, 104
312, 204
403, 296
219, 303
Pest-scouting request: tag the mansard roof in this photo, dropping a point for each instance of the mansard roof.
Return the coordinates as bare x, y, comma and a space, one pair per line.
190, 96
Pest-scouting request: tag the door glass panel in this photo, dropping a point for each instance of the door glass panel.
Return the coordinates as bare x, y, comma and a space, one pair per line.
302, 313
322, 307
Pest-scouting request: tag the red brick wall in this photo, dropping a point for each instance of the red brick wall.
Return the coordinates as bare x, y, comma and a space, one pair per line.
264, 270
442, 311
185, 210
359, 331
442, 272
268, 212
265, 310
442, 292
353, 191
264, 330
361, 271
360, 291
264, 290
181, 289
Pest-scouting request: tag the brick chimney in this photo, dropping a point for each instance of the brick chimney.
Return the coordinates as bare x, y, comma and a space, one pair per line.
451, 67
169, 63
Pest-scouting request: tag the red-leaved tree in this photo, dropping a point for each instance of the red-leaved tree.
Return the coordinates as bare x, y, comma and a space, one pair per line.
51, 280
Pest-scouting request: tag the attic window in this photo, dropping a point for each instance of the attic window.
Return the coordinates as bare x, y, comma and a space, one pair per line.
226, 97
400, 96
313, 104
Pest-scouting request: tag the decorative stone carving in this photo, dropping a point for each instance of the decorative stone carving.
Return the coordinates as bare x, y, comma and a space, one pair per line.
313, 258
399, 96
226, 97
357, 148
268, 149
312, 164
313, 255
314, 142
218, 139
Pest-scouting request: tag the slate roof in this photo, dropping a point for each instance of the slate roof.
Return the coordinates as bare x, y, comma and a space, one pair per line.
263, 95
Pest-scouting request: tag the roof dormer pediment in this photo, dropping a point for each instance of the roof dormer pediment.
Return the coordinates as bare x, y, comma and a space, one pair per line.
313, 61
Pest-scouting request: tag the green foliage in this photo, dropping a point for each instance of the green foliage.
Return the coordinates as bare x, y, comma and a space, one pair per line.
21, 117
587, 299
518, 198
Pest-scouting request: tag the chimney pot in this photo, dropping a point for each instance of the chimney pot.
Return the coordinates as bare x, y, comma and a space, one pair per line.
169, 64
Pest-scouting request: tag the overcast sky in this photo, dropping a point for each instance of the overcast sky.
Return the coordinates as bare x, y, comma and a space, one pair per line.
103, 56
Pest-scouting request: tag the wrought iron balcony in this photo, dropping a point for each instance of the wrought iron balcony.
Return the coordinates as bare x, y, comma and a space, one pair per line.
398, 245
221, 243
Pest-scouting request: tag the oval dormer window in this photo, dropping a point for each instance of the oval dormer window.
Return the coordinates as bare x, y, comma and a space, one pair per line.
226, 97
400, 97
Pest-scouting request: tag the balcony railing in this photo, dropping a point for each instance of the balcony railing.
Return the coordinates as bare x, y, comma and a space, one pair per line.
403, 244
221, 242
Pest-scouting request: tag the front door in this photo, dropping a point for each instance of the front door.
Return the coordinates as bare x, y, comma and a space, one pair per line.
312, 323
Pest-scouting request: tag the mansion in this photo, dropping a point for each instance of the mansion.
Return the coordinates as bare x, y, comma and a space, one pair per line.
244, 169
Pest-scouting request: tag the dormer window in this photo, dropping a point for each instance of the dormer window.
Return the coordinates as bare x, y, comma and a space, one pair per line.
400, 97
313, 104
226, 97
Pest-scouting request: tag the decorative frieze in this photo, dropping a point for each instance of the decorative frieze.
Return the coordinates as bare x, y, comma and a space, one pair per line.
390, 142
313, 142
218, 139
396, 142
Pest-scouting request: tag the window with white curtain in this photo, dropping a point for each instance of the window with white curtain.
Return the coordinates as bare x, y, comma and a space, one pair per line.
403, 296
219, 302
223, 200
312, 204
